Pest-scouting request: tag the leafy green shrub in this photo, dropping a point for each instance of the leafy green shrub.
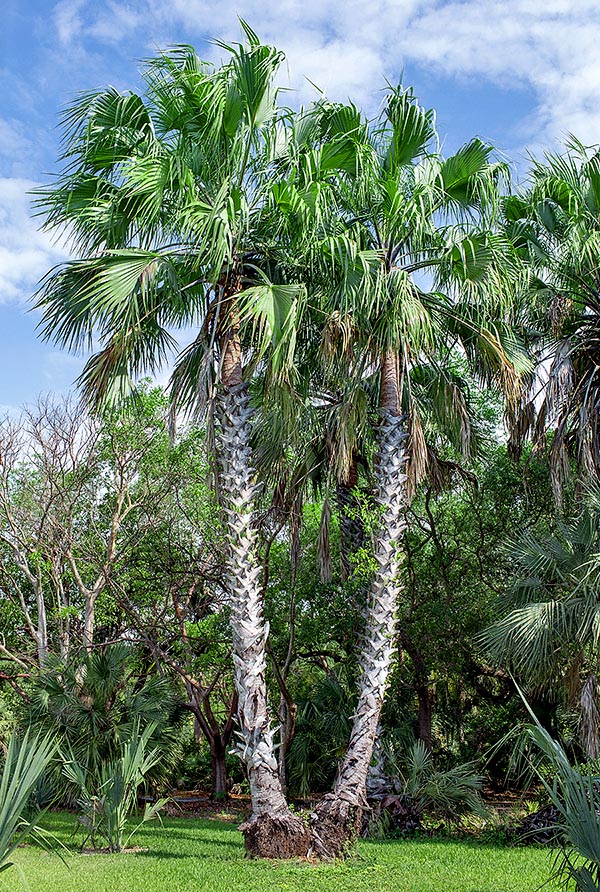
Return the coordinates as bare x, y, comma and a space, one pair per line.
93, 703
418, 788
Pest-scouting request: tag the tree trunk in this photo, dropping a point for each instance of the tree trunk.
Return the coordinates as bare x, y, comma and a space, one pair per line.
421, 682
424, 700
42, 625
207, 727
378, 782
89, 618
272, 831
218, 752
589, 719
287, 727
338, 816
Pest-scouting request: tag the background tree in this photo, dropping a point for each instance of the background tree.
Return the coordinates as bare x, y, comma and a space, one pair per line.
549, 632
68, 485
173, 599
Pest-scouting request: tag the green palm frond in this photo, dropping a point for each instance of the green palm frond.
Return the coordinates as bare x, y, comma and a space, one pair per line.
574, 792
553, 609
166, 196
26, 760
412, 128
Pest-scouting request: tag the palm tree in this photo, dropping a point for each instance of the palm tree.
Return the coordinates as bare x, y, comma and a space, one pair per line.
405, 214
555, 226
549, 631
170, 201
93, 701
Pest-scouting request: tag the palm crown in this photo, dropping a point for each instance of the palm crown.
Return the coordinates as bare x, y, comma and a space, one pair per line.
169, 200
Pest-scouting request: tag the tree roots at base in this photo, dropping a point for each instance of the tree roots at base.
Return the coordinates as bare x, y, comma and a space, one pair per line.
335, 827
277, 836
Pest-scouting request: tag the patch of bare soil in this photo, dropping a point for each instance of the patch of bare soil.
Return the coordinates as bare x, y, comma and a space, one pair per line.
192, 804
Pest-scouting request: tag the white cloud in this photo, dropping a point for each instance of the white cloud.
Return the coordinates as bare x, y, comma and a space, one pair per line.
26, 254
346, 47
21, 146
60, 370
115, 22
68, 19
552, 48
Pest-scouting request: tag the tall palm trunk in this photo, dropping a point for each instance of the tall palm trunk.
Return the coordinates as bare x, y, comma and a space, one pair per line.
338, 816
273, 831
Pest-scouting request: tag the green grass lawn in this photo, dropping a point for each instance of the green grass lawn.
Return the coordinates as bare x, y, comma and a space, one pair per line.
186, 855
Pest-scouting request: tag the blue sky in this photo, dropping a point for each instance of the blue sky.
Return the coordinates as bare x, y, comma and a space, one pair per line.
519, 73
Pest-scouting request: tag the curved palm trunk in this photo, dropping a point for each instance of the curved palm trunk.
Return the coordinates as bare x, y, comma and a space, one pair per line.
338, 816
272, 830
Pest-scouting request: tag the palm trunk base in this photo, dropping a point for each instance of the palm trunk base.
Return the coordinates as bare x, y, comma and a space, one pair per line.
336, 825
277, 836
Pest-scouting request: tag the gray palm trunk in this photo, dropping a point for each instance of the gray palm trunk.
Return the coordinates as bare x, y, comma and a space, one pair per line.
379, 783
273, 831
248, 625
380, 625
338, 815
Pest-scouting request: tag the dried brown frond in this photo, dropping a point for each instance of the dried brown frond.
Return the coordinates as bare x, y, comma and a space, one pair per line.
558, 460
539, 440
441, 472
520, 422
338, 339
559, 310
572, 681
559, 388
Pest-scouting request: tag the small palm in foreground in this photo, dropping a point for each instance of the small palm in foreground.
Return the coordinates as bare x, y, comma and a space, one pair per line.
92, 703
451, 793
26, 760
575, 792
107, 808
420, 788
